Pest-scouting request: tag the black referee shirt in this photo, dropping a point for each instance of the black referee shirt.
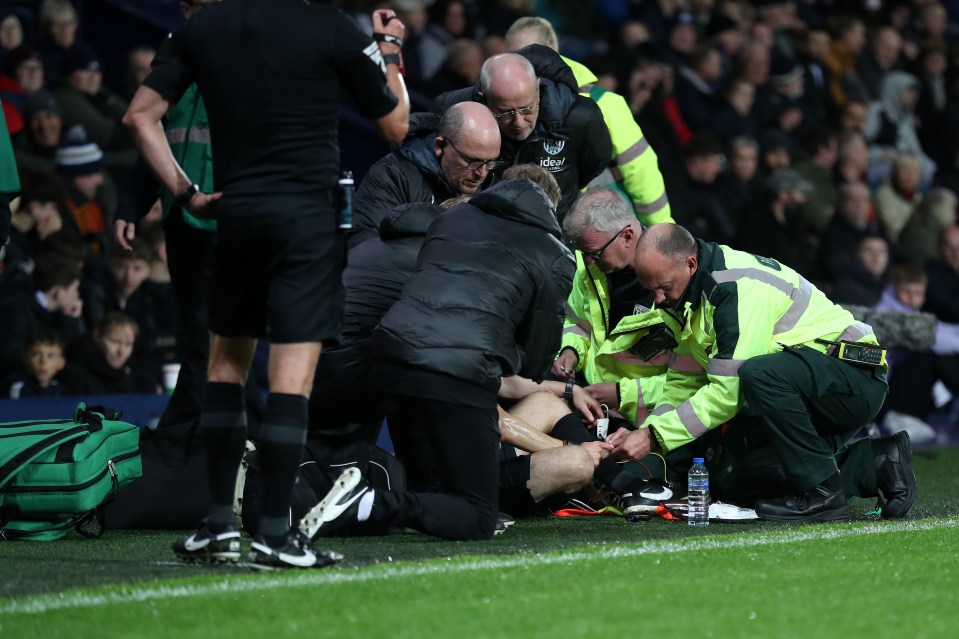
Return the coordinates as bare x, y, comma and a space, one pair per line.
270, 73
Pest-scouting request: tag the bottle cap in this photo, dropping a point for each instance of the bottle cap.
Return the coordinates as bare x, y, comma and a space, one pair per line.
697, 460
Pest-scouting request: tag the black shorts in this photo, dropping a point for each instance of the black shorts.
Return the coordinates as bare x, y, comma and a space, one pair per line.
514, 473
277, 271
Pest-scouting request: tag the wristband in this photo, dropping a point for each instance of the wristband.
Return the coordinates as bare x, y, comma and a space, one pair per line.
184, 198
397, 59
386, 37
568, 393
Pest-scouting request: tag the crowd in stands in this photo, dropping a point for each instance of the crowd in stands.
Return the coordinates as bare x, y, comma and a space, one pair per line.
819, 133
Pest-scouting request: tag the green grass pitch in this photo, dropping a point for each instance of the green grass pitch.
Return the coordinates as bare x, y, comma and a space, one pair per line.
553, 577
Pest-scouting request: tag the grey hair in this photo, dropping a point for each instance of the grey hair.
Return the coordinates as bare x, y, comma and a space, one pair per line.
497, 62
600, 208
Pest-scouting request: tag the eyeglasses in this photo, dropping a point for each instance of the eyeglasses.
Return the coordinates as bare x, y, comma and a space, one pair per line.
506, 116
471, 164
598, 253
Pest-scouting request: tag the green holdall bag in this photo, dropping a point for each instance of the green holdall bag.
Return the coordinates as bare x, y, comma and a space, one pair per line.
55, 475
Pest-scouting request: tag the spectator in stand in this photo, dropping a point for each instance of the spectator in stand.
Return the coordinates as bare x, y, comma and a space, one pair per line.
11, 32
820, 146
776, 152
106, 358
780, 17
464, 59
42, 361
851, 223
890, 125
86, 102
36, 148
734, 116
739, 184
58, 36
449, 21
864, 282
932, 105
138, 66
897, 199
779, 105
773, 228
40, 198
942, 296
848, 38
23, 76
753, 63
697, 194
853, 116
696, 87
912, 374
813, 48
151, 306
53, 301
79, 164
919, 240
852, 159
877, 60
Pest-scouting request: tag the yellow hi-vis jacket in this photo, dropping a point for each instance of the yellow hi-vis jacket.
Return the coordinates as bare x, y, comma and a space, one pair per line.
737, 306
604, 354
634, 167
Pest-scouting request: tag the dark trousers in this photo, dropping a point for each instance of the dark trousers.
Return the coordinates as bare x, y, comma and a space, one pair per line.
347, 404
810, 405
465, 446
190, 260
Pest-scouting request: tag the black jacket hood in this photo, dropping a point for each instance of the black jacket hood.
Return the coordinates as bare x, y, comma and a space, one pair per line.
418, 145
519, 200
409, 220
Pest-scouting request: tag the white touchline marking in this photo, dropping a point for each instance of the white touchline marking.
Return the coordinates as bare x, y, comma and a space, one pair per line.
132, 593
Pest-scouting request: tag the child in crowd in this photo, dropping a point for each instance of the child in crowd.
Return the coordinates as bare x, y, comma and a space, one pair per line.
42, 360
106, 358
913, 374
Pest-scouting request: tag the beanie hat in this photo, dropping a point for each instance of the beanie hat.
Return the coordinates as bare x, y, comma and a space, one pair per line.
80, 57
77, 156
783, 69
39, 102
18, 56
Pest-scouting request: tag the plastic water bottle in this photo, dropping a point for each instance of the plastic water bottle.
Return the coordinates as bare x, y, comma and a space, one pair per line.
698, 514
344, 204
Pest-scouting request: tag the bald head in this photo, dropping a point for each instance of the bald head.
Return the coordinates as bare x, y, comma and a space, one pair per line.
665, 259
511, 90
467, 142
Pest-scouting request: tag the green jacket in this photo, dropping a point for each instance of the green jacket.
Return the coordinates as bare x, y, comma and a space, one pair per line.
188, 132
9, 178
634, 166
604, 354
738, 306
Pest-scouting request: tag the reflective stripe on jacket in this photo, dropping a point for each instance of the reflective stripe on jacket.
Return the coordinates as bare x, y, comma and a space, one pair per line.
188, 132
634, 167
604, 355
738, 306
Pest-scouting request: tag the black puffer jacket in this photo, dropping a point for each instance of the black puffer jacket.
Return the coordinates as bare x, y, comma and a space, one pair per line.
570, 139
410, 173
380, 267
486, 299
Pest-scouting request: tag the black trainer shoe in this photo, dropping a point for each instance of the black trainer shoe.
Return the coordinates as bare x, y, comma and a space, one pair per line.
204, 546
645, 499
894, 476
339, 506
297, 552
816, 504
503, 521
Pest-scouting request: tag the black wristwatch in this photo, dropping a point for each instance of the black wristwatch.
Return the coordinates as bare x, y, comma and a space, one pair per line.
184, 198
568, 393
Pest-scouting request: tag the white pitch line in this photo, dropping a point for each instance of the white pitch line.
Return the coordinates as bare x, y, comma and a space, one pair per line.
233, 584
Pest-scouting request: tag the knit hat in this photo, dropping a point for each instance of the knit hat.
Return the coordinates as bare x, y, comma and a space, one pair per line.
39, 102
18, 56
788, 180
783, 69
77, 156
80, 57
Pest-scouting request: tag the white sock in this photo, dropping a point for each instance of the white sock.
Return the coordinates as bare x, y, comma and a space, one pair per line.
366, 506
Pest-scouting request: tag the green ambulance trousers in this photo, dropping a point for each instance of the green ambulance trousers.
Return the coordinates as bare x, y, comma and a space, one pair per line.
801, 410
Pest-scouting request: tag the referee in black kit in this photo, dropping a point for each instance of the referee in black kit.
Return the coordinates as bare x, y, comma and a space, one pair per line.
271, 73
